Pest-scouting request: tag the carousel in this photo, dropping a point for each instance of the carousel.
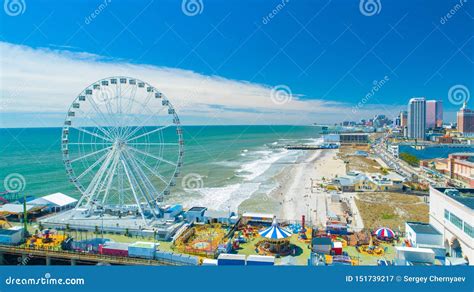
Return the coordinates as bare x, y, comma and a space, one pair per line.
276, 240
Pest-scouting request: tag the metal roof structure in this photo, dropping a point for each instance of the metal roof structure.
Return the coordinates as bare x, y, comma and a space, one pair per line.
56, 200
16, 208
420, 227
462, 196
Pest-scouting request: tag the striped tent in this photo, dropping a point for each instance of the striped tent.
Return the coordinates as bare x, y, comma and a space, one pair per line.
384, 233
275, 232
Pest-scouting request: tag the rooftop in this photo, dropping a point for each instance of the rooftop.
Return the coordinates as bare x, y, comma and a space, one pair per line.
462, 196
321, 241
56, 199
197, 209
420, 227
356, 134
17, 208
9, 231
462, 154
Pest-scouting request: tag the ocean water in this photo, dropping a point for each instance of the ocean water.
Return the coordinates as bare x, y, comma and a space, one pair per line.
223, 165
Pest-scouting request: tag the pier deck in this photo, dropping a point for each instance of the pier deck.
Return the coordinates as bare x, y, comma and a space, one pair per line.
76, 257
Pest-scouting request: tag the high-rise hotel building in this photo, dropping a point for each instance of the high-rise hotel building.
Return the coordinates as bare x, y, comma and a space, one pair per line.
465, 119
417, 118
434, 114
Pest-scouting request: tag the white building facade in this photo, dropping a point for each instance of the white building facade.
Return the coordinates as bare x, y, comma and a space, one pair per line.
417, 118
452, 214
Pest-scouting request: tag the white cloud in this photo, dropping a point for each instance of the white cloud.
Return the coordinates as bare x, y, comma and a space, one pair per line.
43, 82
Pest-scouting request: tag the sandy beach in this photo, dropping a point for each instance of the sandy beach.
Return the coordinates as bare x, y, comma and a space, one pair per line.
299, 192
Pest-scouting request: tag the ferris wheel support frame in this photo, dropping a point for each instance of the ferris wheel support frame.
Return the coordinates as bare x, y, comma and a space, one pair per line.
122, 158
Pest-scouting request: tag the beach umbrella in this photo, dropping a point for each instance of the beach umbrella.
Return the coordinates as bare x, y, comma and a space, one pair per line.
275, 232
384, 233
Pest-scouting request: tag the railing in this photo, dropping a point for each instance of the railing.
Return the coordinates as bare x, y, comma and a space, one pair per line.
86, 256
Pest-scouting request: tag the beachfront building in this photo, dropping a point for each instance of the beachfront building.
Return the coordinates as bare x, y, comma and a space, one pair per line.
417, 118
420, 233
360, 182
170, 212
224, 217
196, 214
434, 114
354, 139
55, 202
424, 235
452, 213
458, 166
465, 119
461, 167
257, 218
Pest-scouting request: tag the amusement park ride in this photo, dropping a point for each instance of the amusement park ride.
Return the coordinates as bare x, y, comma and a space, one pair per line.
122, 147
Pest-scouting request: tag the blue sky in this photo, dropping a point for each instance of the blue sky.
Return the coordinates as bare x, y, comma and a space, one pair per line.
323, 51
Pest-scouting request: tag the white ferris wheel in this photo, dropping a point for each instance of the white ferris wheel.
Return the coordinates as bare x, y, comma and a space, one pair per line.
122, 147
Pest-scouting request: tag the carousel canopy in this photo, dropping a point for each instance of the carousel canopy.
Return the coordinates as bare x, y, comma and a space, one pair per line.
384, 233
275, 232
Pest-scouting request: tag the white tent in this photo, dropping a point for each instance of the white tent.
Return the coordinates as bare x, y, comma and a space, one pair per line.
58, 201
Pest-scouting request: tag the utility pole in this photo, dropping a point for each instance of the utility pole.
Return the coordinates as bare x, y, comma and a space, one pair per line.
25, 217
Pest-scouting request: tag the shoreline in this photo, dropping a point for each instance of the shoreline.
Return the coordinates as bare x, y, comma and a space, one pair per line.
298, 193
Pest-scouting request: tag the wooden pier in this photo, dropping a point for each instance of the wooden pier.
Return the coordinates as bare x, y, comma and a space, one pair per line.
307, 147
